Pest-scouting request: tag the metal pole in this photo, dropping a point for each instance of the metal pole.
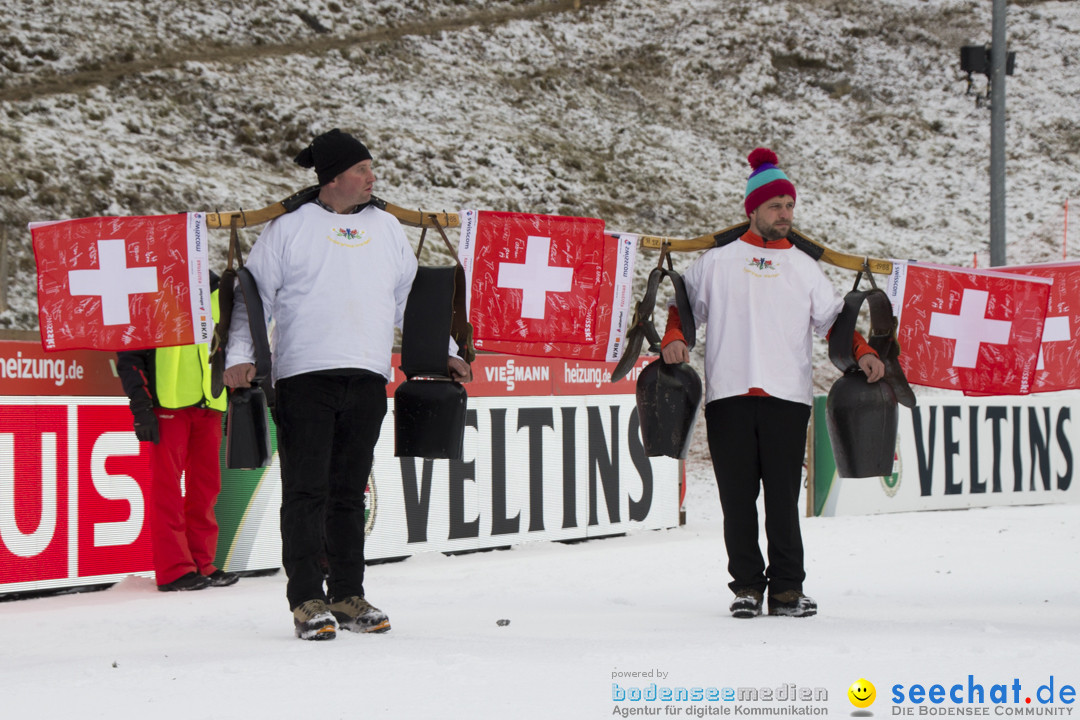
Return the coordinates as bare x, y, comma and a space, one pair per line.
998, 55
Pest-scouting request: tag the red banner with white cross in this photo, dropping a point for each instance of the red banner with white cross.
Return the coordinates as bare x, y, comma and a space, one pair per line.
545, 285
1057, 368
979, 331
123, 283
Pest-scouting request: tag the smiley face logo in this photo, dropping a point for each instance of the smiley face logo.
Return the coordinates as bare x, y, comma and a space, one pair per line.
862, 693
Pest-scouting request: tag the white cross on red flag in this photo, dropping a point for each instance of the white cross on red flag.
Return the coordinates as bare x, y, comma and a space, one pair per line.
979, 331
546, 285
1058, 368
123, 283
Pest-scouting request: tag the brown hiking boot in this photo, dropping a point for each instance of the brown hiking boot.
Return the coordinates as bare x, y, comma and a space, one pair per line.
314, 621
357, 614
747, 603
792, 603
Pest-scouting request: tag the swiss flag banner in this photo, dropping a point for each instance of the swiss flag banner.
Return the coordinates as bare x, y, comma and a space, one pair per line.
123, 283
1057, 368
973, 330
545, 285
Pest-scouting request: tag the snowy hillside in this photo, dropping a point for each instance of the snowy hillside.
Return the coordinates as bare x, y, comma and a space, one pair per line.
638, 112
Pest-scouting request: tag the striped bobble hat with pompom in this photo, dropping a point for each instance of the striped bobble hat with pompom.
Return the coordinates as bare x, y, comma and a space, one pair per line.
766, 181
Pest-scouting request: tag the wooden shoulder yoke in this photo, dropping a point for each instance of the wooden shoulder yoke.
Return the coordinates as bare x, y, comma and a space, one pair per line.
411, 218
812, 247
422, 218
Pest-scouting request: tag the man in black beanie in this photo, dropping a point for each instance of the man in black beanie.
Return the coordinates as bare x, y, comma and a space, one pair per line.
331, 154
335, 275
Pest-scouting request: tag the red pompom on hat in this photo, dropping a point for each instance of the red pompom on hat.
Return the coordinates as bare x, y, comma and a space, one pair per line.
762, 155
766, 181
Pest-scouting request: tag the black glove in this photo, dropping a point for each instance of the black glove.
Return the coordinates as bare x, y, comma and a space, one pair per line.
146, 424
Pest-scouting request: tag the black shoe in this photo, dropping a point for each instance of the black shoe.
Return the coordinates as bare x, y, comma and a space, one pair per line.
220, 578
747, 603
191, 581
792, 603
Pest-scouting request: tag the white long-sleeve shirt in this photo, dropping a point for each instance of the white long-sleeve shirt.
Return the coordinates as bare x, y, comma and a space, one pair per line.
762, 307
336, 287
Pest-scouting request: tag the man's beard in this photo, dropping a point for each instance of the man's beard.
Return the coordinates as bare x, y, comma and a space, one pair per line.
769, 232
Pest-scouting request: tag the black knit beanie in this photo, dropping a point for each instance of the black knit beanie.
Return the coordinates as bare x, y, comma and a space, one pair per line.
331, 154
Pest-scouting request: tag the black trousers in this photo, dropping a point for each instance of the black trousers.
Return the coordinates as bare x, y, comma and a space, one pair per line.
327, 429
760, 442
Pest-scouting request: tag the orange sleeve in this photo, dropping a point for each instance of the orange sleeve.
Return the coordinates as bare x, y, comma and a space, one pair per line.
859, 345
673, 331
862, 347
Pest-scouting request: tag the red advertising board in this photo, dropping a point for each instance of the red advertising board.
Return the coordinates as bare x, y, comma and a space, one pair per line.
75, 483
76, 487
33, 510
26, 369
516, 376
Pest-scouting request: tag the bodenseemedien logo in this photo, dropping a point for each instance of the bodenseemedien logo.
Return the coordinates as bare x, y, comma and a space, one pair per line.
698, 700
862, 693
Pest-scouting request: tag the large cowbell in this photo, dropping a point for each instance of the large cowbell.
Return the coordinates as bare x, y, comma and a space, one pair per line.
429, 419
668, 398
429, 407
862, 416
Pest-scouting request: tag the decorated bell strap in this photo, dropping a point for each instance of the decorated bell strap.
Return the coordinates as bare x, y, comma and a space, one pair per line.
686, 313
882, 338
427, 323
461, 330
636, 334
256, 321
226, 285
842, 334
642, 326
460, 327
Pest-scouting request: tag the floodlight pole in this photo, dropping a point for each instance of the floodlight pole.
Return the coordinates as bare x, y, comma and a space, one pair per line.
998, 55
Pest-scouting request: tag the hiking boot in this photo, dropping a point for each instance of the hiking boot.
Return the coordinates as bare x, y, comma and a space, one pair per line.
191, 581
314, 621
792, 603
747, 603
357, 614
220, 578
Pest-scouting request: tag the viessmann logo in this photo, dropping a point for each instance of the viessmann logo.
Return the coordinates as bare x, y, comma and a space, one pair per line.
513, 372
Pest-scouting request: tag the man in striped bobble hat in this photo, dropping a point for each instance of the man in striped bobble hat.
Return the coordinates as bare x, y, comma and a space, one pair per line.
763, 300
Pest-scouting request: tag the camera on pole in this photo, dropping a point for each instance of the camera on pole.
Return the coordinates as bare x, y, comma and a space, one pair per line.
975, 59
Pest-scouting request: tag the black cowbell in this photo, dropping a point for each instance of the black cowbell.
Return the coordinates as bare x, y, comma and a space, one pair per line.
862, 416
668, 398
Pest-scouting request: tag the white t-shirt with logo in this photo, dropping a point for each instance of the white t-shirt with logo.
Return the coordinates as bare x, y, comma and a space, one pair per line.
762, 307
335, 286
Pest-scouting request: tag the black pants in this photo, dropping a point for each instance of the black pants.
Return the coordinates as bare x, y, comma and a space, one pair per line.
760, 442
327, 429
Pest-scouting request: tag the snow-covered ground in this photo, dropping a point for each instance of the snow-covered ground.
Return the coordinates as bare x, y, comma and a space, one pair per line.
906, 599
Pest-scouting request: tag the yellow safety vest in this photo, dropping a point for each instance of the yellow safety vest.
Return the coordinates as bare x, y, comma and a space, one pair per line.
182, 374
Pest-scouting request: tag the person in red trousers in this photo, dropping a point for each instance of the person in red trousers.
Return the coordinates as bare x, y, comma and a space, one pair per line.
175, 410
